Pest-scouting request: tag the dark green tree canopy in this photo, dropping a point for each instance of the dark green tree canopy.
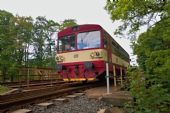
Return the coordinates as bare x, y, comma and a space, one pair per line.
67, 23
136, 13
20, 33
155, 40
153, 55
150, 84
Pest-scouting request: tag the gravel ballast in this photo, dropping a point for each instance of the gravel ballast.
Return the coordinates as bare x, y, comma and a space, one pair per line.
81, 104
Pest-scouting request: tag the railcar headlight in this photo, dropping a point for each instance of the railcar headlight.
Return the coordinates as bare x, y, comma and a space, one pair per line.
60, 58
96, 54
57, 58
92, 55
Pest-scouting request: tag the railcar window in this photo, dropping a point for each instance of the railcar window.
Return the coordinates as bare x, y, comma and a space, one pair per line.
66, 43
87, 40
105, 41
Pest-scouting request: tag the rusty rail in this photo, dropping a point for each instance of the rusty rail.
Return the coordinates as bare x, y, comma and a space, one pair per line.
9, 101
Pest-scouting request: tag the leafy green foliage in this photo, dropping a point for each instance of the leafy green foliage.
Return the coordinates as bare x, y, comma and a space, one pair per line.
7, 43
44, 45
136, 13
150, 95
23, 39
27, 43
153, 45
152, 87
42, 41
67, 23
150, 83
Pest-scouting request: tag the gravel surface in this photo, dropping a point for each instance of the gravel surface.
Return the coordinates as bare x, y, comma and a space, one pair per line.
81, 104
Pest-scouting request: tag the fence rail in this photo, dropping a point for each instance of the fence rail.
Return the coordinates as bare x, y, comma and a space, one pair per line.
31, 73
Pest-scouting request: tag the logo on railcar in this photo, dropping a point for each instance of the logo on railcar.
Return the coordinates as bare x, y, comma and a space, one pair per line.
76, 55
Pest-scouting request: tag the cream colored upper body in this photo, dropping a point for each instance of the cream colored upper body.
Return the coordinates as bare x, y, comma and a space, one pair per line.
89, 55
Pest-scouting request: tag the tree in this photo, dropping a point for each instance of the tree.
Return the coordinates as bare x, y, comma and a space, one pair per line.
24, 35
67, 23
156, 39
136, 13
40, 27
15, 31
44, 44
51, 29
6, 43
25, 43
150, 83
153, 51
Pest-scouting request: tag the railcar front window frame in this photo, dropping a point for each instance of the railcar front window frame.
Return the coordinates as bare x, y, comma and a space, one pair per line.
67, 43
88, 40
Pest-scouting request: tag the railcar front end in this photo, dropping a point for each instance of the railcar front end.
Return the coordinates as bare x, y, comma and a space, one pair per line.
83, 51
80, 56
81, 65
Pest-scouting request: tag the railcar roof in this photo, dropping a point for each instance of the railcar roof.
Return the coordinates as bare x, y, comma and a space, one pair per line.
79, 28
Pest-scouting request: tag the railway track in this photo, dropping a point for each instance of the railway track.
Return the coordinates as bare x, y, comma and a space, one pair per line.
31, 83
8, 102
34, 85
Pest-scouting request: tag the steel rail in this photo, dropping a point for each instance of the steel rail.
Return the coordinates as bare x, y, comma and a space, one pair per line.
9, 101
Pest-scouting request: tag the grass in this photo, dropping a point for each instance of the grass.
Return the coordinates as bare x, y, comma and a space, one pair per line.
3, 89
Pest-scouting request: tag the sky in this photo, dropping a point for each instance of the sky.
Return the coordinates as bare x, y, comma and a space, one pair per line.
83, 11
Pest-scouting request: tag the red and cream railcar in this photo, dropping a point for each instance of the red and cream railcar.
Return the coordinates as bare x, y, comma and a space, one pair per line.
83, 50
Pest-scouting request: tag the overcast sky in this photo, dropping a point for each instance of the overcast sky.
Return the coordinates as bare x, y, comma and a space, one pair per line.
83, 11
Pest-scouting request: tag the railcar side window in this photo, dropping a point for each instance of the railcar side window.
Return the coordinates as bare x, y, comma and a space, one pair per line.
87, 40
105, 41
66, 43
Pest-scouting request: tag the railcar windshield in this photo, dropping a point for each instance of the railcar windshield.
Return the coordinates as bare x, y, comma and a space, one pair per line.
66, 43
87, 40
